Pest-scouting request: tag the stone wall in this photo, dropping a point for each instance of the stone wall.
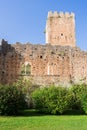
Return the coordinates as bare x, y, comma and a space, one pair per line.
60, 29
48, 64
9, 63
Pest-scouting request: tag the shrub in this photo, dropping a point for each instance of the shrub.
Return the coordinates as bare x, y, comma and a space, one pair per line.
54, 100
39, 97
84, 101
11, 100
77, 93
27, 87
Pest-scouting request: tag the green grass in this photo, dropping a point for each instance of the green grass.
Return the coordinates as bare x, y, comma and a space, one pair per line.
44, 122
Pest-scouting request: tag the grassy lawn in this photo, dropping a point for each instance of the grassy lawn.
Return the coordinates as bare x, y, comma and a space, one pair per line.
44, 122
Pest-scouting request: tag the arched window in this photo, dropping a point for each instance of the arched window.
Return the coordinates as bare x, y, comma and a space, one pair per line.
26, 69
52, 69
22, 69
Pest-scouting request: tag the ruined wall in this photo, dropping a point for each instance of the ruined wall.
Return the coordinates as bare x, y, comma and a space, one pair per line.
60, 29
9, 63
48, 64
46, 59
79, 64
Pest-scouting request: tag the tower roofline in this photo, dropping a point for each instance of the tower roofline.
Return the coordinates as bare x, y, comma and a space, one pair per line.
60, 14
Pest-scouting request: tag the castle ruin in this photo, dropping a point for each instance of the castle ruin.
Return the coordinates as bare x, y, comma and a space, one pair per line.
57, 61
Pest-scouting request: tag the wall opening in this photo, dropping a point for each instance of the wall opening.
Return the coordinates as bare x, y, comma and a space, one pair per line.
26, 69
41, 57
50, 69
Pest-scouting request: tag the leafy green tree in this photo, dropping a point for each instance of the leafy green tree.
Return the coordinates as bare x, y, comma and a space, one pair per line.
12, 100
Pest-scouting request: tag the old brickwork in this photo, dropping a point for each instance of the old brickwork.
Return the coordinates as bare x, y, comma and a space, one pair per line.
9, 63
58, 62
48, 64
60, 29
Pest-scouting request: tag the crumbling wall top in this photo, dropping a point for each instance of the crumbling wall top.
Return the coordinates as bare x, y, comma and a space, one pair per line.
60, 14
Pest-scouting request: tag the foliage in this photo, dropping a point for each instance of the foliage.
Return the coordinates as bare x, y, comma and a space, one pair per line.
58, 100
52, 100
84, 101
27, 87
11, 100
77, 93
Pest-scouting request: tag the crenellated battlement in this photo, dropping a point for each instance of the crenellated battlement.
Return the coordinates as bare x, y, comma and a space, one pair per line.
60, 14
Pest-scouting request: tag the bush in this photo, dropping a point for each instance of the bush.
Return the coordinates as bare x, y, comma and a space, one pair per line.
39, 97
84, 101
27, 87
54, 100
12, 100
77, 96
58, 100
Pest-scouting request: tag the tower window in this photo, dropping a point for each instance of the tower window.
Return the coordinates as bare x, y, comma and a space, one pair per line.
61, 34
41, 57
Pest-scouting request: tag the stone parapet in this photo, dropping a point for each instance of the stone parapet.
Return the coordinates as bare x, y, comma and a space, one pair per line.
60, 14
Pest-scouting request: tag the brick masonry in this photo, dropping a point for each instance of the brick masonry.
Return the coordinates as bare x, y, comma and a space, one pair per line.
46, 64
60, 29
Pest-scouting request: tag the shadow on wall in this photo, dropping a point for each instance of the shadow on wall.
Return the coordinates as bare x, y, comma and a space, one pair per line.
10, 61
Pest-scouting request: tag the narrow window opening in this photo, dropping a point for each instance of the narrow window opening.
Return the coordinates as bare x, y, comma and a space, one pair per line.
3, 72
41, 57
61, 34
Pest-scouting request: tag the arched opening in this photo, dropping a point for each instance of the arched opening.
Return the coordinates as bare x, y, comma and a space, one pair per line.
26, 69
52, 69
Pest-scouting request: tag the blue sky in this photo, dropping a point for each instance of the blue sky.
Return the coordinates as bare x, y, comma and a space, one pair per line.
25, 20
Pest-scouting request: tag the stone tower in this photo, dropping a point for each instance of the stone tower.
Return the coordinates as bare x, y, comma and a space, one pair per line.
60, 29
